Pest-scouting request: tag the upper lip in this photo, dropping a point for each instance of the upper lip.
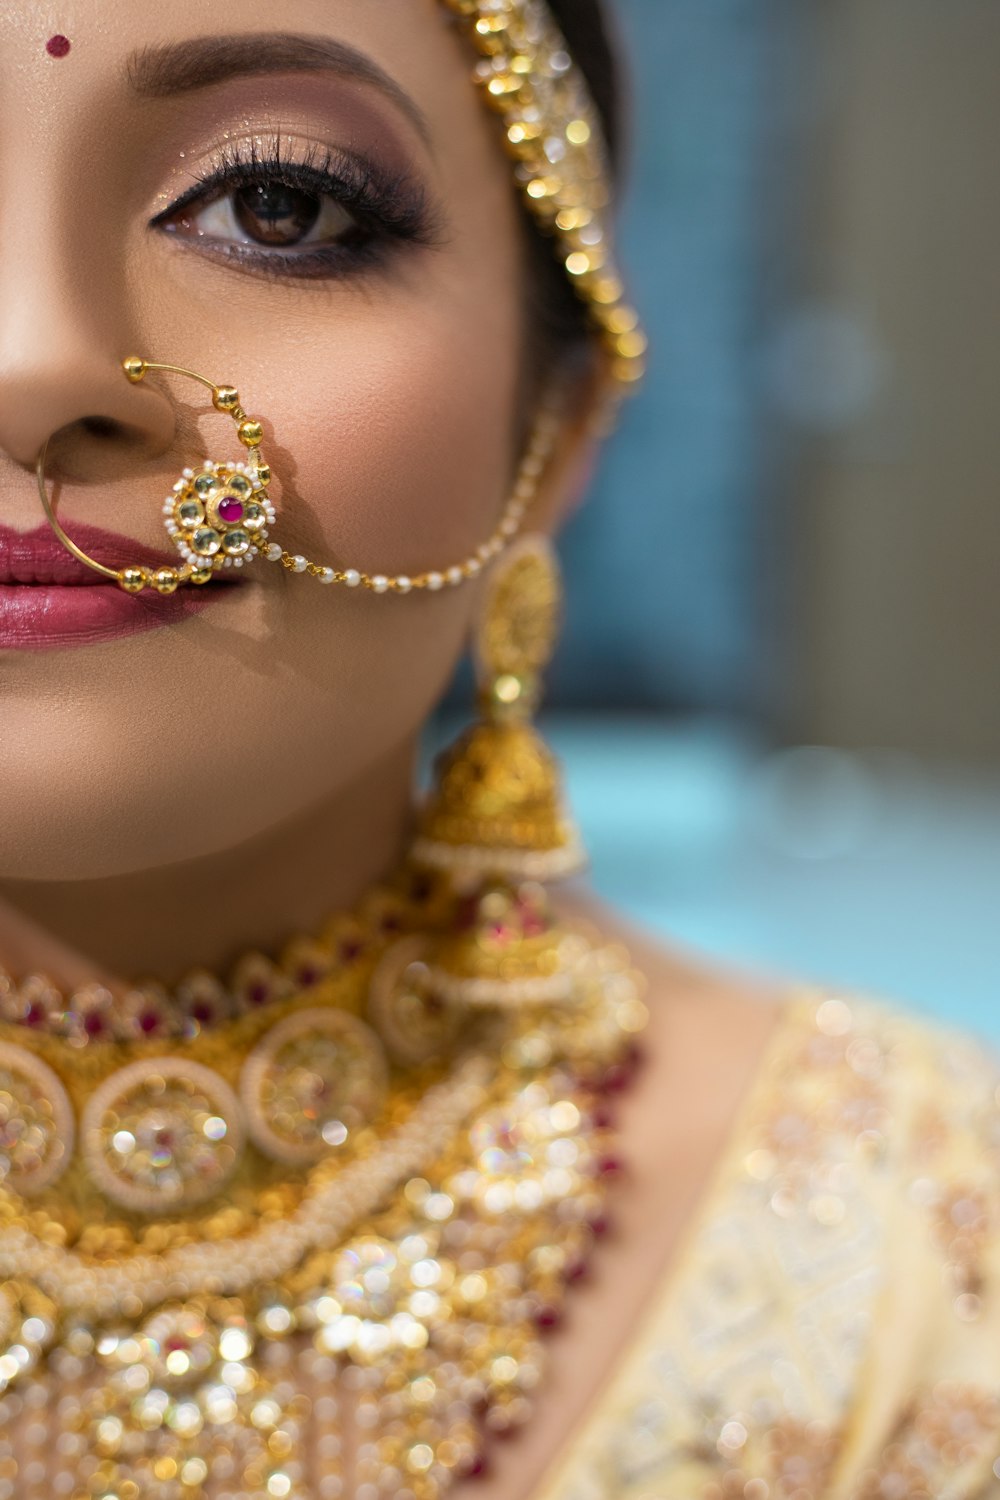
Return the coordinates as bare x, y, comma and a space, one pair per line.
39, 557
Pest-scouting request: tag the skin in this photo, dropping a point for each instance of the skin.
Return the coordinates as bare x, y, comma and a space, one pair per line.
393, 404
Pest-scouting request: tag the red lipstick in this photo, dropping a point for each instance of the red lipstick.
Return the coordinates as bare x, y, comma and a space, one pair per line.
49, 600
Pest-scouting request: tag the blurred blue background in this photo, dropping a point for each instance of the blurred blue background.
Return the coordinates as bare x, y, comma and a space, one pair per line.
666, 561
776, 694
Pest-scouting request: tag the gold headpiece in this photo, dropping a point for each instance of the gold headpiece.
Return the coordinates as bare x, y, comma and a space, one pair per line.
555, 135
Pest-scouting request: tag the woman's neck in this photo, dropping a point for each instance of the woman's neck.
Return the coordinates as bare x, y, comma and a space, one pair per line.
162, 923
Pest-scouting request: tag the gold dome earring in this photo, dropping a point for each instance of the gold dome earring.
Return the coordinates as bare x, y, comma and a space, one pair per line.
495, 818
496, 807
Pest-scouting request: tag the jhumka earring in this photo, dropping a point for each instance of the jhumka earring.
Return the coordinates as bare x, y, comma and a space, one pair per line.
495, 818
219, 515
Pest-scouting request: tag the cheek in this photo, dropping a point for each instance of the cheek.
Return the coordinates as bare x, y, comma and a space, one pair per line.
398, 462
397, 459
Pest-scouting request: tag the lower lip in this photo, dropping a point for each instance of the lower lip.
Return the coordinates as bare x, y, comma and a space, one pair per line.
48, 617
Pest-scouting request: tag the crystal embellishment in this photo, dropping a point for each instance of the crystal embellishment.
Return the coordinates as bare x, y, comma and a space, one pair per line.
314, 1078
164, 1133
36, 1122
218, 516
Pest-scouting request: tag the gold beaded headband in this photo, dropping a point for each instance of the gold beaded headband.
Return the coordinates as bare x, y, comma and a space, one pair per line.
219, 516
554, 133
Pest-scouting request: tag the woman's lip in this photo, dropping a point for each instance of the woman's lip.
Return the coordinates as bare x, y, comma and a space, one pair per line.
53, 616
49, 600
39, 557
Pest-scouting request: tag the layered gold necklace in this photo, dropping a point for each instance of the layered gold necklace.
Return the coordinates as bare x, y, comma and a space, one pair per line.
356, 1193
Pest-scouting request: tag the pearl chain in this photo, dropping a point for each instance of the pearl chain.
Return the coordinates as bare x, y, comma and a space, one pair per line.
525, 491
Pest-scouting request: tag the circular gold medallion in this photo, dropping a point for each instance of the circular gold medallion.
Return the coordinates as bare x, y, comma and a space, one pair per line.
313, 1079
36, 1122
414, 1020
520, 612
218, 516
162, 1134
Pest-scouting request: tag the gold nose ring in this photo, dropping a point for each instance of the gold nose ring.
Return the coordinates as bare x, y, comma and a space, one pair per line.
219, 516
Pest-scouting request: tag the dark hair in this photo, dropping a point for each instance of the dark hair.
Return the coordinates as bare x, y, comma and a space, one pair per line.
558, 325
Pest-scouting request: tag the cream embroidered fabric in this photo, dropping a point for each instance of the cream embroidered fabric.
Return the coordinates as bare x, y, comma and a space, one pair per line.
831, 1329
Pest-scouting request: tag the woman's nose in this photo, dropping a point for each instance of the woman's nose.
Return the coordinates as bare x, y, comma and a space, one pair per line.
64, 331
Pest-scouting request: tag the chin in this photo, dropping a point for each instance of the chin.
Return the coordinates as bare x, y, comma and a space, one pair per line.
90, 796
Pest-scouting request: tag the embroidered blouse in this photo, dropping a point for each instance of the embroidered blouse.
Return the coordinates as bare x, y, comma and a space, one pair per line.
831, 1327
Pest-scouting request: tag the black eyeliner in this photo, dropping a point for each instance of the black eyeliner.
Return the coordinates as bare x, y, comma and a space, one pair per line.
386, 206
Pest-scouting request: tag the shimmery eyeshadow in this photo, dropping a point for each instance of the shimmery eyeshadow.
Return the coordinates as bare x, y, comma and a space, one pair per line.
57, 46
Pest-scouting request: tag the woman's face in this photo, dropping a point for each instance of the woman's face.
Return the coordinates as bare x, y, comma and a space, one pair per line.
325, 220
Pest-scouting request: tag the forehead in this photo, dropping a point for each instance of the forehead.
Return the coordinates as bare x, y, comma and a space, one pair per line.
122, 55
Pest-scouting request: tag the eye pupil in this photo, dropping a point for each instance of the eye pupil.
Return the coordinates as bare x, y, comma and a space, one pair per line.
275, 214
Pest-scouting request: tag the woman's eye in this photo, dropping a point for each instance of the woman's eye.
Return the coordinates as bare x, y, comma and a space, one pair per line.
327, 216
271, 214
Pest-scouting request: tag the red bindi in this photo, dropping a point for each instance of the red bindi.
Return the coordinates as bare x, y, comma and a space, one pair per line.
57, 46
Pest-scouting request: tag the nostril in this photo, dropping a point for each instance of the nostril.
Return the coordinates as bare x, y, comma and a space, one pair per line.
102, 427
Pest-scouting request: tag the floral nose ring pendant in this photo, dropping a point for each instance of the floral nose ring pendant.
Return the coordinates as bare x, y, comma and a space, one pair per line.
218, 515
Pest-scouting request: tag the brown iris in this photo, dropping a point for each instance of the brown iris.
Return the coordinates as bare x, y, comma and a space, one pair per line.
274, 214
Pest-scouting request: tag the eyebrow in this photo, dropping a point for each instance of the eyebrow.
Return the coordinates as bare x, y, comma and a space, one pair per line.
157, 72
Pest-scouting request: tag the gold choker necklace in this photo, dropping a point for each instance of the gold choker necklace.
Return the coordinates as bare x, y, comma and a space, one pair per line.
93, 1014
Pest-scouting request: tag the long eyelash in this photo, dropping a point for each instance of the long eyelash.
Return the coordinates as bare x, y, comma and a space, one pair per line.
386, 206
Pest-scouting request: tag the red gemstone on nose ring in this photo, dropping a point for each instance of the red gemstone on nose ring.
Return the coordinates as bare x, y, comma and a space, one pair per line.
57, 46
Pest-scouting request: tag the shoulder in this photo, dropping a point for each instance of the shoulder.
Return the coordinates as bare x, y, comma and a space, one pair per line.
708, 1036
837, 1308
868, 1188
899, 1087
